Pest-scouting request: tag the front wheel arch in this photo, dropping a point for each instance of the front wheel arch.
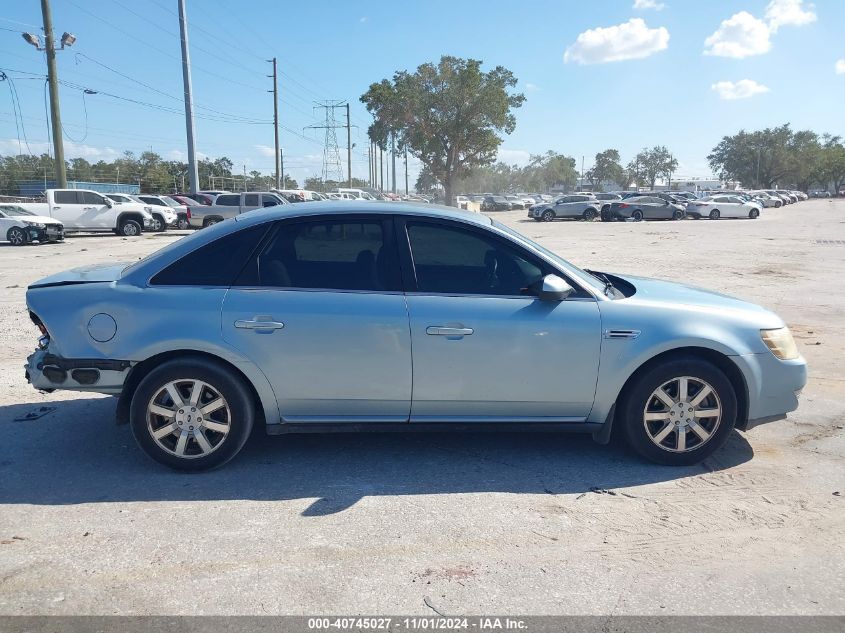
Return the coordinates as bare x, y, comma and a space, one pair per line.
722, 362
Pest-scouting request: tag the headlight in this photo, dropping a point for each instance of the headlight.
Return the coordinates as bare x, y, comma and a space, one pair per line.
37, 225
780, 343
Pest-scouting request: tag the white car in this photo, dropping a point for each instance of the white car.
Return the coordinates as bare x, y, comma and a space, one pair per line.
723, 206
163, 214
766, 200
19, 226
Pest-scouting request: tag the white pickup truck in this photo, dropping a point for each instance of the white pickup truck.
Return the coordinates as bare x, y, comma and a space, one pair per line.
90, 211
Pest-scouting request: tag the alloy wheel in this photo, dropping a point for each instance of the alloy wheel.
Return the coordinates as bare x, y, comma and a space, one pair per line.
188, 418
682, 414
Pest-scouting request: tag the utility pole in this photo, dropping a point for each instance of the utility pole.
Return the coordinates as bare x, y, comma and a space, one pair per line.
348, 149
276, 125
282, 163
53, 80
193, 174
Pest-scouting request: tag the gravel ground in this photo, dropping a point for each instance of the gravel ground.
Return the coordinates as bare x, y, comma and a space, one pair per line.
464, 523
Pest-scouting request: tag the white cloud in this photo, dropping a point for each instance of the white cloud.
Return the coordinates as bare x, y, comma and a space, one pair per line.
514, 156
642, 5
789, 13
840, 66
266, 150
741, 35
72, 150
531, 87
630, 40
742, 89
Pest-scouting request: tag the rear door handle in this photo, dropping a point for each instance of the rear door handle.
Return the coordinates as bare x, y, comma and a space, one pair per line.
438, 330
258, 324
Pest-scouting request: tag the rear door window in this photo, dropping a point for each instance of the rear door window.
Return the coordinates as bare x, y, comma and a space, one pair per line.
66, 197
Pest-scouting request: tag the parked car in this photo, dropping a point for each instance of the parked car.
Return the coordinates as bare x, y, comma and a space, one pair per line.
606, 199
84, 210
228, 205
578, 206
495, 203
643, 208
686, 195
19, 226
199, 198
163, 215
298, 195
173, 213
766, 200
788, 195
716, 207
516, 202
308, 318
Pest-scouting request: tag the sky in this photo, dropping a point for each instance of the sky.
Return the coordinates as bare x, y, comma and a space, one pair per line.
597, 74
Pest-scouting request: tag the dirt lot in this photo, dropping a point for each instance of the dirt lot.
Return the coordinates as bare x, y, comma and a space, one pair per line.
463, 523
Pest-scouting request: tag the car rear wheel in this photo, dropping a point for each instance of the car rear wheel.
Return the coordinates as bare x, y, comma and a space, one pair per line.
778, 204
548, 216
678, 215
637, 215
679, 412
714, 214
590, 215
129, 228
182, 224
17, 236
191, 414
753, 214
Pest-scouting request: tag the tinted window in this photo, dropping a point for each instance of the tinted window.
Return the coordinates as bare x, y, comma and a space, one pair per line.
251, 200
89, 197
337, 254
215, 264
231, 199
269, 201
453, 260
65, 197
151, 200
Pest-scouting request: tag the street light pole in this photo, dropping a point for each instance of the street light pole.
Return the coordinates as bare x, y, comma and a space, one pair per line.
193, 172
53, 81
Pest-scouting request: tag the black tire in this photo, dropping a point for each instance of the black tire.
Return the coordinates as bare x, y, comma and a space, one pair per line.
778, 204
182, 224
753, 214
129, 228
678, 215
639, 396
590, 215
222, 380
606, 216
714, 214
17, 236
637, 215
548, 215
210, 222
158, 225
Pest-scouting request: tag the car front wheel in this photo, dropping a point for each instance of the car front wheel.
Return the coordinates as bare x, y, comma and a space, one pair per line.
129, 228
548, 216
680, 412
17, 236
158, 225
191, 414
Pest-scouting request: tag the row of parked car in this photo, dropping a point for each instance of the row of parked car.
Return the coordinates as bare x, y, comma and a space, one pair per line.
638, 205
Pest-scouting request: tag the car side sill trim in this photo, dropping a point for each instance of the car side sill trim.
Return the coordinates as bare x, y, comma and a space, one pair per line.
435, 427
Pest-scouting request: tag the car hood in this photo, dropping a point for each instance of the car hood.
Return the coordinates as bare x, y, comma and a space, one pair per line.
39, 219
674, 295
82, 275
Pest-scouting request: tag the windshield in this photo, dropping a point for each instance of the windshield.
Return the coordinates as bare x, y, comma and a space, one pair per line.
170, 201
571, 269
15, 211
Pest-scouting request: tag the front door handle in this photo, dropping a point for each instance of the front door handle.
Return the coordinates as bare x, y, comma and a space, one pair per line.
438, 330
259, 323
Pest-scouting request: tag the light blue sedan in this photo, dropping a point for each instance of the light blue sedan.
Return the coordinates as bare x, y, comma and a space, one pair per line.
380, 316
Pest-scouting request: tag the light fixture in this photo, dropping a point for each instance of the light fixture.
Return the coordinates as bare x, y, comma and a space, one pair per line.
68, 39
32, 39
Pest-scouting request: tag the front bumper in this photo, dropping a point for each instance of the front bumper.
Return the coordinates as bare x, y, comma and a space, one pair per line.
53, 233
773, 386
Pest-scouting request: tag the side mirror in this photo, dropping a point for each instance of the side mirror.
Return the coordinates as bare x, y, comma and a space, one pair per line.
109, 202
551, 288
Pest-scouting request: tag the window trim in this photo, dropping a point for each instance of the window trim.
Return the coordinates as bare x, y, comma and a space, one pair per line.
389, 241
409, 276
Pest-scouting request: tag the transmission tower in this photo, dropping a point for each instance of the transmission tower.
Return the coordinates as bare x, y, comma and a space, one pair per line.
332, 164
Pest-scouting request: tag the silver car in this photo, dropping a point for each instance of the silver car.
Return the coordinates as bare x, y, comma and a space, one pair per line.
362, 316
574, 206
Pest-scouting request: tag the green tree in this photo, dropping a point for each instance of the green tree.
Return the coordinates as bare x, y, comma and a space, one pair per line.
760, 159
655, 163
449, 115
606, 168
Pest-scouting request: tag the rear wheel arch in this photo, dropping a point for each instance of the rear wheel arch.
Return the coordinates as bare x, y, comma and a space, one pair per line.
718, 359
142, 369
